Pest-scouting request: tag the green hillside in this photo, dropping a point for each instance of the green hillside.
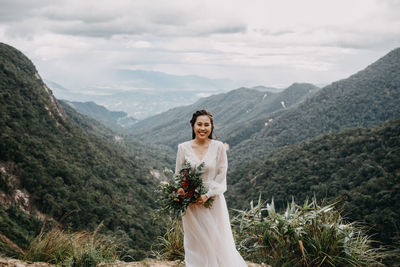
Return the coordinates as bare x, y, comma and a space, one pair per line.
153, 156
359, 167
232, 111
51, 167
366, 98
117, 120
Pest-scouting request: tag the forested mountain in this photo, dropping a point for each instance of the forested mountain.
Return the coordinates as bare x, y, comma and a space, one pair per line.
51, 167
116, 120
156, 157
366, 98
255, 123
233, 111
359, 167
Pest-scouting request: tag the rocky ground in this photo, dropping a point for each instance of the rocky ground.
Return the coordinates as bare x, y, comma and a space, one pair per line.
144, 263
17, 263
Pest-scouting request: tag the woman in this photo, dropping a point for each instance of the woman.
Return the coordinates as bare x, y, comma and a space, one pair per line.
208, 239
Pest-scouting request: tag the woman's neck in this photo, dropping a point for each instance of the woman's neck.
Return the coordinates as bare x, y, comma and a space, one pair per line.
201, 142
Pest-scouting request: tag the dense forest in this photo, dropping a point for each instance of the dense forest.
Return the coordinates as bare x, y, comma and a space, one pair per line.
51, 167
155, 157
241, 106
359, 167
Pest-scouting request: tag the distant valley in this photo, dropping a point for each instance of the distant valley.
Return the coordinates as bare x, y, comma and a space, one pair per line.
142, 94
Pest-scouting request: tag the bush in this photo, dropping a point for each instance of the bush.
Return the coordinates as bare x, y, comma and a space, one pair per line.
170, 246
72, 249
308, 235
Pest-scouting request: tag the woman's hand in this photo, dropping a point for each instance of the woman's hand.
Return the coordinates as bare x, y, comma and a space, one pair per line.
201, 200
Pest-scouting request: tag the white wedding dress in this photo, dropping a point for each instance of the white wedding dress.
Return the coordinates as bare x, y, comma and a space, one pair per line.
208, 239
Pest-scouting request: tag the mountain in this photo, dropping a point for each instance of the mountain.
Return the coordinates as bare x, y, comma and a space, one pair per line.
112, 119
156, 157
366, 98
359, 167
139, 103
141, 93
233, 111
255, 123
53, 170
161, 80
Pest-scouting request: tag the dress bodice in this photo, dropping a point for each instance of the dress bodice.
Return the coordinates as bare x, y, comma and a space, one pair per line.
216, 164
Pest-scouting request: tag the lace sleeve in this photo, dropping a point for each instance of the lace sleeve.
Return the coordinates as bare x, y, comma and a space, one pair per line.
180, 159
218, 184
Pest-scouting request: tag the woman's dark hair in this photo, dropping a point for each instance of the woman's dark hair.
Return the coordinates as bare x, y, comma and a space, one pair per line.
201, 113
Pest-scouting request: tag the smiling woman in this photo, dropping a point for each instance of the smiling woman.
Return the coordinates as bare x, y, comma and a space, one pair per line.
208, 239
202, 123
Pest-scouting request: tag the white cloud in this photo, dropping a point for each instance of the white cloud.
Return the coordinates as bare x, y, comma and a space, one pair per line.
265, 42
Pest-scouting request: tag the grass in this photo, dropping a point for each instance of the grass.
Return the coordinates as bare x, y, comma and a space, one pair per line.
308, 235
170, 245
70, 249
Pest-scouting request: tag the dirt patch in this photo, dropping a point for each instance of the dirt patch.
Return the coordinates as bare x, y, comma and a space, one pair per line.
6, 262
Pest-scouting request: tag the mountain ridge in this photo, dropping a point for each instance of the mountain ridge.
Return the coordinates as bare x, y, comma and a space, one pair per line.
60, 169
366, 98
235, 106
117, 120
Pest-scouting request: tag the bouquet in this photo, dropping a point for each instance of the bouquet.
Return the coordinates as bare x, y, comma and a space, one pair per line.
186, 188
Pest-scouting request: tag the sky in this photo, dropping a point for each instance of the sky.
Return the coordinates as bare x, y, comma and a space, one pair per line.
256, 42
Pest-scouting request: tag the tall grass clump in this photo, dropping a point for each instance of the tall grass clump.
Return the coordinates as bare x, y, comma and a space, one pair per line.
308, 235
170, 245
72, 249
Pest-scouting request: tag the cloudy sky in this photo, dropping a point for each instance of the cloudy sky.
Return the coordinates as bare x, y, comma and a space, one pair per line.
260, 42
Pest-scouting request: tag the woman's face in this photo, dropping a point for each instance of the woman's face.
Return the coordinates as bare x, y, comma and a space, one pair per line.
202, 127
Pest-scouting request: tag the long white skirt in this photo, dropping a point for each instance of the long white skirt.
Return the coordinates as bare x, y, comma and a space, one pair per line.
208, 238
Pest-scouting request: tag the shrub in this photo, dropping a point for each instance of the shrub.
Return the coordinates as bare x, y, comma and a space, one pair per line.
170, 246
72, 249
308, 235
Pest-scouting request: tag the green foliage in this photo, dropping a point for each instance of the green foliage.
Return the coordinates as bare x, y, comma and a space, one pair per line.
358, 167
170, 245
72, 249
308, 235
66, 169
18, 227
182, 190
154, 156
